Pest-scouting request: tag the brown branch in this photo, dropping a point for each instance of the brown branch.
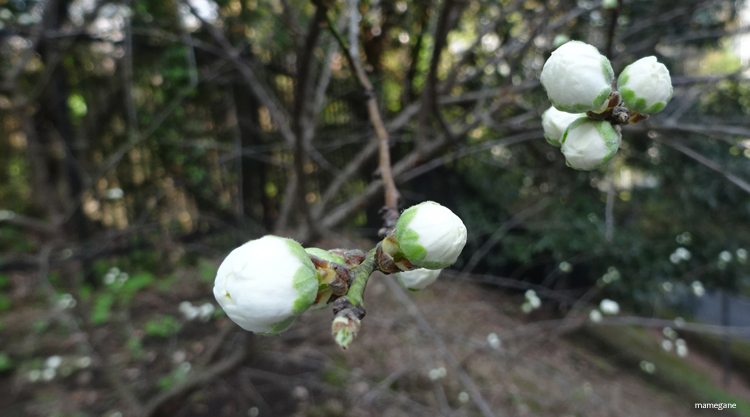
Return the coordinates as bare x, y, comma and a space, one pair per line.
447, 19
302, 126
66, 317
385, 169
744, 185
169, 401
466, 380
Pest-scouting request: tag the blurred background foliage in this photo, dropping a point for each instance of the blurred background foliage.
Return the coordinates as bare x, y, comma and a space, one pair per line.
133, 138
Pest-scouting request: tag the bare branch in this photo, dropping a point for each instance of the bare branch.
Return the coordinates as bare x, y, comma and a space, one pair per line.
466, 380
744, 185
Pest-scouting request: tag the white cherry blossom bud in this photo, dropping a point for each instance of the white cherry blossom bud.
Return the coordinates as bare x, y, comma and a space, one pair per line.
555, 122
430, 235
589, 144
577, 78
266, 283
610, 307
418, 279
645, 85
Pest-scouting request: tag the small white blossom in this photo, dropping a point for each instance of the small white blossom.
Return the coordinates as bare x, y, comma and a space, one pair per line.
430, 235
577, 78
559, 40
53, 362
418, 279
648, 367
682, 351
494, 341
188, 310
463, 397
683, 253
83, 362
205, 311
554, 123
437, 373
609, 4
667, 286
66, 301
679, 322
741, 255
565, 266
698, 288
668, 332
674, 258
595, 316
48, 374
266, 283
609, 307
526, 308
34, 375
179, 356
253, 412
588, 144
115, 193
611, 276
645, 85
535, 302
725, 256
667, 345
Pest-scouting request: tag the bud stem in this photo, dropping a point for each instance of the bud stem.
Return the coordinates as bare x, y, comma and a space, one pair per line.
350, 309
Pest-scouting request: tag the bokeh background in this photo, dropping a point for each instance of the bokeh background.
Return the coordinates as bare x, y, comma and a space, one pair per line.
142, 140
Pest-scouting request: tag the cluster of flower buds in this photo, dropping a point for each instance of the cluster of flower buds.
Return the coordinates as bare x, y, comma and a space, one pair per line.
589, 105
265, 284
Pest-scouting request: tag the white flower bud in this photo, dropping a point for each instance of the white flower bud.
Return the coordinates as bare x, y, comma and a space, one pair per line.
430, 235
577, 78
645, 85
610, 307
418, 279
555, 122
589, 144
266, 283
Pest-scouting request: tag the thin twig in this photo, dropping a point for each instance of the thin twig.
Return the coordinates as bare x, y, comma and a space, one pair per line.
386, 173
466, 380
